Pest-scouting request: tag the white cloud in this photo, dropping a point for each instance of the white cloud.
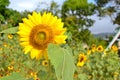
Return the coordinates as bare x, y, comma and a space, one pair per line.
30, 5
24, 5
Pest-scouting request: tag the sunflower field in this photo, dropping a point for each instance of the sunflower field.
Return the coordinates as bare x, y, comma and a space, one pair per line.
41, 45
57, 62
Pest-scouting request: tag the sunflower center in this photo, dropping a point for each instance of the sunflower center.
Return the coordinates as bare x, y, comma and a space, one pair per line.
40, 36
99, 48
81, 59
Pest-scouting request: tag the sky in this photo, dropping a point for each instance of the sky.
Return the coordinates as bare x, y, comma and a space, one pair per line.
100, 26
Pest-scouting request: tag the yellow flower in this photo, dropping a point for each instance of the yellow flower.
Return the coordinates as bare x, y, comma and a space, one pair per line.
10, 67
93, 48
79, 64
100, 48
38, 31
10, 36
114, 48
0, 48
93, 45
5, 44
36, 78
81, 60
115, 74
7, 74
45, 63
88, 52
34, 74
1, 75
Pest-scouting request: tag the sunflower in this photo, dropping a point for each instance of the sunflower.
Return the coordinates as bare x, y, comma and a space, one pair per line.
93, 45
114, 48
1, 75
88, 52
36, 78
45, 62
93, 48
81, 60
10, 36
33, 74
10, 67
38, 31
100, 48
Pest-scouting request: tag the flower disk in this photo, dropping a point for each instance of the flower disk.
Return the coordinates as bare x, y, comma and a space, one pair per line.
100, 48
81, 59
38, 31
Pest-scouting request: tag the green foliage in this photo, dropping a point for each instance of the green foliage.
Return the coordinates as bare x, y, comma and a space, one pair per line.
2, 19
76, 20
3, 4
12, 17
117, 20
13, 76
12, 30
102, 67
61, 66
12, 55
59, 58
78, 4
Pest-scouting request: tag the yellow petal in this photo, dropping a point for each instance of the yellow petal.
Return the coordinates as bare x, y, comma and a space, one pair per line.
59, 32
37, 17
24, 27
46, 18
24, 39
23, 33
27, 49
40, 55
32, 19
34, 53
58, 24
51, 23
24, 43
45, 54
60, 39
79, 64
28, 22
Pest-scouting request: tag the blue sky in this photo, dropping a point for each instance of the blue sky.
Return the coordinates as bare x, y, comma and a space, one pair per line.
100, 26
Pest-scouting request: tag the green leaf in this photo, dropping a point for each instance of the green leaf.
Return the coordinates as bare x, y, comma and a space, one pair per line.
62, 61
12, 30
83, 77
42, 75
13, 76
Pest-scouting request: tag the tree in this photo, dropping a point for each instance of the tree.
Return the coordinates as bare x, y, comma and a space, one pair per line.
75, 15
3, 5
109, 7
52, 7
10, 16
